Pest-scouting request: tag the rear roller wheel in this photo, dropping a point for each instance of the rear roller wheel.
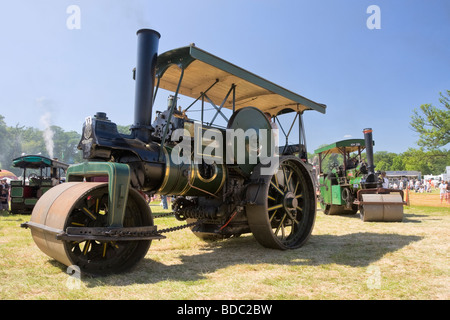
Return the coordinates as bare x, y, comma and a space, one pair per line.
284, 209
85, 204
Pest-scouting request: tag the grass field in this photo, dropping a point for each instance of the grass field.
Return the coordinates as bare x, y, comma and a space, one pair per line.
345, 258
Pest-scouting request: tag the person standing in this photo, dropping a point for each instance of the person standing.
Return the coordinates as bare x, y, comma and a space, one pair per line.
443, 190
164, 202
448, 193
385, 181
4, 198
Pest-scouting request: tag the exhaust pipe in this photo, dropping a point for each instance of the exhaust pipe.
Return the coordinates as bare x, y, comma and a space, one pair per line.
147, 54
369, 151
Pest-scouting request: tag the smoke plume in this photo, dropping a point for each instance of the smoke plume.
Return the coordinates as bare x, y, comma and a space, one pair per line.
45, 122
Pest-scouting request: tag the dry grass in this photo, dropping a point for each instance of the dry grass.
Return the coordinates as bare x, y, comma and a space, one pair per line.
344, 259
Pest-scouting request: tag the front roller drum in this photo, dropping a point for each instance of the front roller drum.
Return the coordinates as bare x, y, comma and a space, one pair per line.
85, 204
382, 207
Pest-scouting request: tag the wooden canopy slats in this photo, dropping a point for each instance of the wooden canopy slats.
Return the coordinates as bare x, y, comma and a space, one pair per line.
202, 69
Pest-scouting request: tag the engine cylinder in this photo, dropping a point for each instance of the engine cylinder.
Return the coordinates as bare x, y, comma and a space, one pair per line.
191, 179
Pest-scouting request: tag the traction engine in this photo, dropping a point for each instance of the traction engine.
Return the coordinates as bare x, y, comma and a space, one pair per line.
352, 185
226, 180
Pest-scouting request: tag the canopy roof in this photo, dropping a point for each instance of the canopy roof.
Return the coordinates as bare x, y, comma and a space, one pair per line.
350, 145
36, 162
202, 70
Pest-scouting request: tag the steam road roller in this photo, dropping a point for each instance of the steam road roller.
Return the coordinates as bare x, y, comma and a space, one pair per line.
348, 183
225, 168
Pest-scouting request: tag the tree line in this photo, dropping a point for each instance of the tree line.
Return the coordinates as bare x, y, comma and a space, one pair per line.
427, 162
19, 140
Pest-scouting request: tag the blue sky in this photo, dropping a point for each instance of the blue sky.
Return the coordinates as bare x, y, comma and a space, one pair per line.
320, 49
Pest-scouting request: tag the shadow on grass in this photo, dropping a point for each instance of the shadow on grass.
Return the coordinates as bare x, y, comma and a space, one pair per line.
354, 250
407, 217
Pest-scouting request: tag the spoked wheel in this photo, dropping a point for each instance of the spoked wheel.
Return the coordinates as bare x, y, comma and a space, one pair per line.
81, 204
283, 211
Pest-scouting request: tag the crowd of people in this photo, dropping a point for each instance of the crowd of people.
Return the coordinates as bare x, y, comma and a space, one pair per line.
423, 186
4, 196
416, 185
444, 191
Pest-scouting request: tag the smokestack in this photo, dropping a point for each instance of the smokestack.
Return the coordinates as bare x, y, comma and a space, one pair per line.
369, 150
147, 53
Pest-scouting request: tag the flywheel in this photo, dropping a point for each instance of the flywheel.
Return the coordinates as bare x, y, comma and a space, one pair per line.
254, 127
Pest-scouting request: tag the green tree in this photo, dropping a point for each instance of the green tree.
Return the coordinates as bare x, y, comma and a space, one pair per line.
433, 125
18, 140
427, 162
65, 145
5, 143
32, 141
398, 163
383, 160
15, 140
124, 129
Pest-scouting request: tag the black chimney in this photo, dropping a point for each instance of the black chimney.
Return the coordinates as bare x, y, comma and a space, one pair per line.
147, 54
369, 150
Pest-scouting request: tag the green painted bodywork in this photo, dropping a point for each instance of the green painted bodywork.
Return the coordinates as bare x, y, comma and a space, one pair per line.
333, 183
24, 195
330, 186
118, 185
